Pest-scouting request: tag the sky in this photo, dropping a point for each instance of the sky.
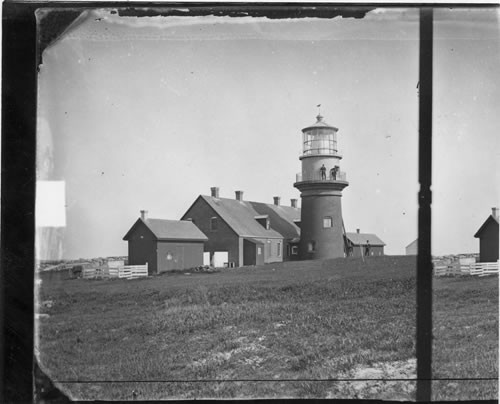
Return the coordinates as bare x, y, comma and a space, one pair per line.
149, 113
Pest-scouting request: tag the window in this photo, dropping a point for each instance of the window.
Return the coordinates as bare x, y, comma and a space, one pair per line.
264, 221
295, 250
279, 249
213, 223
327, 222
259, 250
311, 246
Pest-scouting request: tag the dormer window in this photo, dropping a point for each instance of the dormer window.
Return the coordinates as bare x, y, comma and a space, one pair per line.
264, 221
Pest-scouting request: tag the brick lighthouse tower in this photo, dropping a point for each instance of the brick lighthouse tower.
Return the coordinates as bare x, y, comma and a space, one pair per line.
320, 184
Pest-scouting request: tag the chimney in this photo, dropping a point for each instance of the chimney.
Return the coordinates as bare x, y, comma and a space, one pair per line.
144, 214
494, 212
239, 195
293, 202
357, 231
277, 200
215, 192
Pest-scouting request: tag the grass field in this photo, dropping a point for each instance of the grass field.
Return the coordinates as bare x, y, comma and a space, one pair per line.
278, 330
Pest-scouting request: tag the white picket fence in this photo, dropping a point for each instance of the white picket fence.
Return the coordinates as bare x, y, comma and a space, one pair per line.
446, 271
125, 272
129, 271
483, 268
475, 269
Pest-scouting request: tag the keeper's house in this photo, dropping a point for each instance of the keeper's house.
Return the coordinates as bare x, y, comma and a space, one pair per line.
245, 233
164, 244
366, 244
488, 238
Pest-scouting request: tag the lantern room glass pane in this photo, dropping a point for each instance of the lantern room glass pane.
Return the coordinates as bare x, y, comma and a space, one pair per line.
320, 141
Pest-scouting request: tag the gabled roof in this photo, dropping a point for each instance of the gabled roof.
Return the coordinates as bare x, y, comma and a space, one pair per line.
281, 218
170, 229
240, 216
413, 242
254, 241
362, 238
491, 219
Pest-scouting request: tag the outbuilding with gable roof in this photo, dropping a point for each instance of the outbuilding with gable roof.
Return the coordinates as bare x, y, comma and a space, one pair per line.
362, 244
165, 244
488, 238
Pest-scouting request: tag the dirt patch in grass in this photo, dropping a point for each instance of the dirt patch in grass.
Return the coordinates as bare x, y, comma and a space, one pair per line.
380, 386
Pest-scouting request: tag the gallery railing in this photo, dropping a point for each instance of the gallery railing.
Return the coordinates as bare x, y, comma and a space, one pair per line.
329, 177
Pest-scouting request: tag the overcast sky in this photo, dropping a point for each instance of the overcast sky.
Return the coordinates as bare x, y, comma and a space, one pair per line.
149, 113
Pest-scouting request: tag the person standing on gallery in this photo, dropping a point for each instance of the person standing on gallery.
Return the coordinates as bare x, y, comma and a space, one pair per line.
323, 172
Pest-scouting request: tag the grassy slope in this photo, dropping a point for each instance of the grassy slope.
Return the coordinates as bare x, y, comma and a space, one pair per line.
466, 337
302, 320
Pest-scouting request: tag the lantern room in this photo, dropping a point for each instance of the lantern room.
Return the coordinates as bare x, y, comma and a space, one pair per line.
319, 139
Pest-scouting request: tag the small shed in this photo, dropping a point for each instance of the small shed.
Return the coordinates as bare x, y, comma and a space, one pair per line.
363, 244
488, 238
412, 248
165, 244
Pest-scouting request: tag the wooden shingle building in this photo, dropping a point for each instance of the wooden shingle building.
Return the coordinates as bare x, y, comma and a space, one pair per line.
488, 238
243, 232
412, 248
164, 244
363, 244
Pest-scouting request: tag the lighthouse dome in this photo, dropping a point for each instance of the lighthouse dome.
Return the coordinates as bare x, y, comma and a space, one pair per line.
320, 124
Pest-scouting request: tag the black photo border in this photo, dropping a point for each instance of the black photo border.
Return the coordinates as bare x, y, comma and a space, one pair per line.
20, 58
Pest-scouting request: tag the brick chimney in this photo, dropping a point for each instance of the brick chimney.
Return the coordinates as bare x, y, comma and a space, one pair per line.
239, 195
494, 212
293, 203
144, 214
215, 192
357, 231
277, 200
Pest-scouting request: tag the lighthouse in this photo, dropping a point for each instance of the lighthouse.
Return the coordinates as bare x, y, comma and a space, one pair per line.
320, 184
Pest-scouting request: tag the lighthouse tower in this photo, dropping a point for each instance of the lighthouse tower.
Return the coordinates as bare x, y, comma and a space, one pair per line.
320, 184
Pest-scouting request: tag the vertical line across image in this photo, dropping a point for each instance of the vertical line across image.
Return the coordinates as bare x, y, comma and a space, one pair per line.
424, 259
